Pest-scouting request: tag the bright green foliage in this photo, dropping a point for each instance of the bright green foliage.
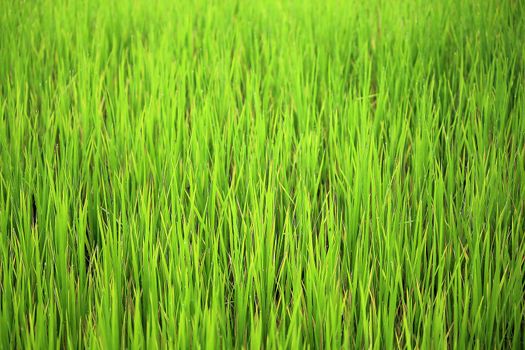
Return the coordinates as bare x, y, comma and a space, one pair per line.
278, 174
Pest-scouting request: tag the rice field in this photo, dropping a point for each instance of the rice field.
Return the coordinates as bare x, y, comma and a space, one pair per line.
262, 174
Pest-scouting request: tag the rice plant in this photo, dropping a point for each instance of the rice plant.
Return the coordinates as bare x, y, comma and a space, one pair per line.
262, 174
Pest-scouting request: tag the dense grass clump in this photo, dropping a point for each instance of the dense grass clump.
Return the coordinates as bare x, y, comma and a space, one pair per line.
278, 174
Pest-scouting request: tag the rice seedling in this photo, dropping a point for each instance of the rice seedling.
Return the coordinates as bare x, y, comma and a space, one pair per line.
262, 174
